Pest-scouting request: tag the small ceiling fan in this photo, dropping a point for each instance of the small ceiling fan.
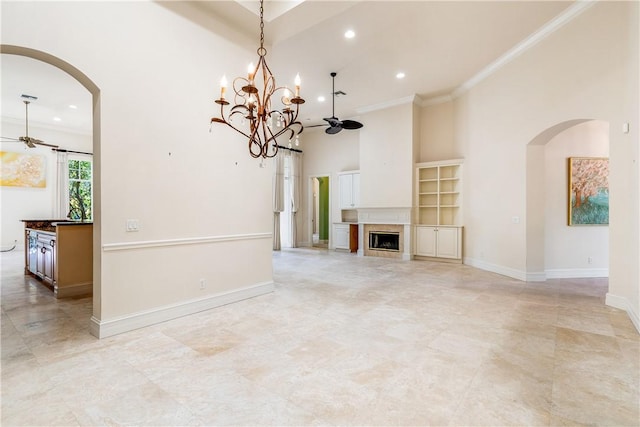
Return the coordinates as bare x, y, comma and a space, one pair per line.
334, 123
29, 141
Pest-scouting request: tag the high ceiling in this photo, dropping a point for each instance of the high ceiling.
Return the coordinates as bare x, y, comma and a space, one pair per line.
437, 44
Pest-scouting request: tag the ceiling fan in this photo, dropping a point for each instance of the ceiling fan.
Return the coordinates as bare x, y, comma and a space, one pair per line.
29, 141
334, 123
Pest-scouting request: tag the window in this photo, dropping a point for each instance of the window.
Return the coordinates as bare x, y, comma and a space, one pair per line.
80, 190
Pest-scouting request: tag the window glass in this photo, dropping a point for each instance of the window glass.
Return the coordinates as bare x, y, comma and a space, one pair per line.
80, 190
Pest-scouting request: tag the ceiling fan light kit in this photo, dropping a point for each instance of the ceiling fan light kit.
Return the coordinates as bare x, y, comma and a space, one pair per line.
252, 106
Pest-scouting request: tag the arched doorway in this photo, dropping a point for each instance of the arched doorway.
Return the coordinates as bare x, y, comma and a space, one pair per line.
555, 249
93, 89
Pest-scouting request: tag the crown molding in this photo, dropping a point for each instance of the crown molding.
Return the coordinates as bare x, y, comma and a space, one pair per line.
387, 104
35, 125
436, 100
552, 26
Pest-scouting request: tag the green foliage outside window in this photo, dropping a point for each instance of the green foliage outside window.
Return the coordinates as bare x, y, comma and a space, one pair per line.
80, 190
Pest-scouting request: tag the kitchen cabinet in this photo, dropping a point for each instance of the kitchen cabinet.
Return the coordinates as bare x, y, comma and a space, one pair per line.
45, 262
60, 254
349, 187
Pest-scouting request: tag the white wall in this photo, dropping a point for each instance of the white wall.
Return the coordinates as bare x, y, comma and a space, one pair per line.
437, 141
568, 249
20, 203
325, 155
204, 206
584, 70
387, 157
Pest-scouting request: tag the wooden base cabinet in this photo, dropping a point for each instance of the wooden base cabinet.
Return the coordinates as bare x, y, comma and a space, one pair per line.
61, 255
439, 242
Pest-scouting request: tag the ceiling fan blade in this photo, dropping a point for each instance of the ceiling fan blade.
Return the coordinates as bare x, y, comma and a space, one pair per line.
351, 124
8, 138
332, 130
316, 126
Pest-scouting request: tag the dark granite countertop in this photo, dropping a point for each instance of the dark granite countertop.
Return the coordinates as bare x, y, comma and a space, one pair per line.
51, 224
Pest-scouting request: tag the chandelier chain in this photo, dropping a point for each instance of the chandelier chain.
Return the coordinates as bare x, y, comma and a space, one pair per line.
261, 26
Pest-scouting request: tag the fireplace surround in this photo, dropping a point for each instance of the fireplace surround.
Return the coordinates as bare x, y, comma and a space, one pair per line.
385, 220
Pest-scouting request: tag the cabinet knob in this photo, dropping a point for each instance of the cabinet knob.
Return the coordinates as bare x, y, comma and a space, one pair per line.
43, 250
52, 243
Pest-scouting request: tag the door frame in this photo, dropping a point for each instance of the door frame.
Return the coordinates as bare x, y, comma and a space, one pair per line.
310, 207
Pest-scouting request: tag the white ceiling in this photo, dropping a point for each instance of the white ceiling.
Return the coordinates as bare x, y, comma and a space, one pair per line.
438, 45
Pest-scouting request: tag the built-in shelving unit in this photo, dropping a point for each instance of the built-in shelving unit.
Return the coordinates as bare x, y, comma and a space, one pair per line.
438, 223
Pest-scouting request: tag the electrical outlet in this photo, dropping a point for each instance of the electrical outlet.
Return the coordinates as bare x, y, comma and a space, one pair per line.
203, 283
590, 260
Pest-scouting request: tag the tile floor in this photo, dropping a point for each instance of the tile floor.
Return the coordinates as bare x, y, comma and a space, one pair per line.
344, 340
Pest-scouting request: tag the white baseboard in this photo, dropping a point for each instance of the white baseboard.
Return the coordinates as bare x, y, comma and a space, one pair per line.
109, 327
622, 303
541, 276
505, 271
576, 273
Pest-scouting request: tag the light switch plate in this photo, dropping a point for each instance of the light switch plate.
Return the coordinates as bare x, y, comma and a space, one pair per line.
133, 225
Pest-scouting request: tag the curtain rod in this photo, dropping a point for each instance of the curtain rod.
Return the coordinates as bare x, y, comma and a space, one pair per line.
62, 150
290, 149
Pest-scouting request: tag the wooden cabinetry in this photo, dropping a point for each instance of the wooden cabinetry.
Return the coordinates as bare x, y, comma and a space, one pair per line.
45, 261
61, 255
349, 187
438, 230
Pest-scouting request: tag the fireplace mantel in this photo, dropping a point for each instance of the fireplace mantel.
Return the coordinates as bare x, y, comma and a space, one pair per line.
401, 216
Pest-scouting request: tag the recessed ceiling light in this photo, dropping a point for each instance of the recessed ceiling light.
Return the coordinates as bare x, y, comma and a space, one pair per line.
73, 107
321, 99
349, 34
57, 119
400, 75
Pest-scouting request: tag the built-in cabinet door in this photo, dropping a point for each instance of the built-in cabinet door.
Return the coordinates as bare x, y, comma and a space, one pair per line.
426, 241
341, 236
355, 189
46, 257
439, 242
447, 242
349, 184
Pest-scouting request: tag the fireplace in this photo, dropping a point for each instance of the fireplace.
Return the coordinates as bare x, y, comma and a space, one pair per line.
385, 232
384, 241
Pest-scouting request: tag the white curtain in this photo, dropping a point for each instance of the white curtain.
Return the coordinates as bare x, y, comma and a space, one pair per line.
61, 207
295, 186
278, 198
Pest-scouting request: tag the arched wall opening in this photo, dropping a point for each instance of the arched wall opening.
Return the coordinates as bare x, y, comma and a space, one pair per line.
555, 249
94, 90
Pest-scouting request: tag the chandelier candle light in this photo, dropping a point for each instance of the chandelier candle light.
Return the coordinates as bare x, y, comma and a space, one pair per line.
265, 124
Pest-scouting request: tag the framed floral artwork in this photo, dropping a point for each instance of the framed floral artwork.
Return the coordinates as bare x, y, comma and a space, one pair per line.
588, 191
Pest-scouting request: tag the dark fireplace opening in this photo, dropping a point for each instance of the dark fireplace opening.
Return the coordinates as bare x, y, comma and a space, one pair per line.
384, 241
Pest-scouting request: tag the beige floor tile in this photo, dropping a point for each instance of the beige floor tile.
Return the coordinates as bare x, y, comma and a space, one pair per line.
343, 340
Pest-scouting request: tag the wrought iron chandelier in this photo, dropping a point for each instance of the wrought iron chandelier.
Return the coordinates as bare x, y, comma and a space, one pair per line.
255, 107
